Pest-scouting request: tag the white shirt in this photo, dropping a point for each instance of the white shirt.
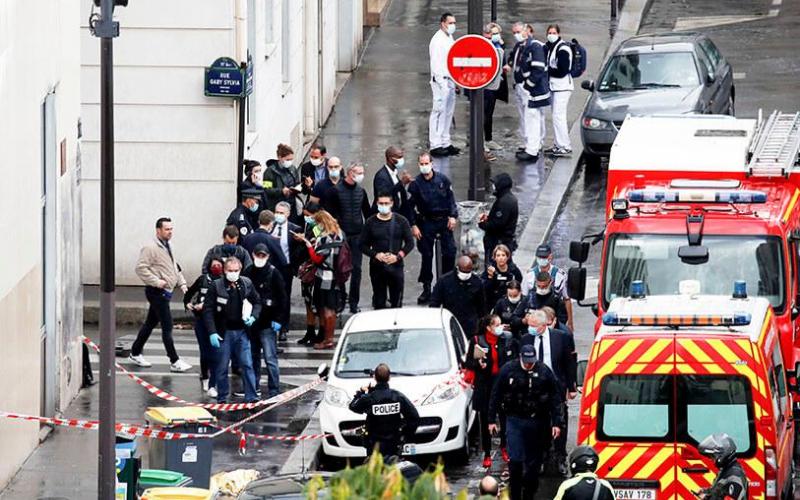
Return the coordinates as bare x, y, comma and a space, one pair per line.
438, 49
545, 347
284, 238
392, 174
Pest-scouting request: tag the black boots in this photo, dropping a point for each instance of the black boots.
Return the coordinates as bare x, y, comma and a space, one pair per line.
425, 296
310, 336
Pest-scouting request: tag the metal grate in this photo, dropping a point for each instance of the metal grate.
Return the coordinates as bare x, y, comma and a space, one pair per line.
776, 145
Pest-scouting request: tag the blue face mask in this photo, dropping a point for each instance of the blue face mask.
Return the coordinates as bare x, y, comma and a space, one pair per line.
254, 208
399, 163
532, 330
229, 248
280, 218
309, 220
498, 330
384, 209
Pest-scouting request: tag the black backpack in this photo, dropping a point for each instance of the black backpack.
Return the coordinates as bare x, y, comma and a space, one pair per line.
579, 59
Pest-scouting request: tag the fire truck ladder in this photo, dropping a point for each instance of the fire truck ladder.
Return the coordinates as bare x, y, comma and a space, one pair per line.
775, 146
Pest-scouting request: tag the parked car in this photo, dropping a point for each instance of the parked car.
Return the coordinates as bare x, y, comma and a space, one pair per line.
424, 349
669, 73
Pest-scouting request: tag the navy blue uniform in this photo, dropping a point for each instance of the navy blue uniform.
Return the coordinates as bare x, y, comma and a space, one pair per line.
244, 219
432, 203
390, 416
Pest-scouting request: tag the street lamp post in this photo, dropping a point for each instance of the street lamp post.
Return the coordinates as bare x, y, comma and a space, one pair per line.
476, 160
107, 29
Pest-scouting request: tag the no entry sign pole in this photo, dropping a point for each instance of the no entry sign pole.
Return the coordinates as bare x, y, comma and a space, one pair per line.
477, 189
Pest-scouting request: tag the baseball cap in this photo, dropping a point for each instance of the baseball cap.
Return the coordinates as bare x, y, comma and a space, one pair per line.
527, 353
543, 250
261, 249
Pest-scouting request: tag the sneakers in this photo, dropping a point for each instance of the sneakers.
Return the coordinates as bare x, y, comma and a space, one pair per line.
439, 152
487, 462
180, 366
140, 361
493, 145
282, 337
526, 157
212, 392
452, 150
504, 453
561, 152
204, 382
489, 156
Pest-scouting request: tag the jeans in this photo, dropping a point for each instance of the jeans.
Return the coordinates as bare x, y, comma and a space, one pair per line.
355, 277
208, 355
269, 345
157, 313
235, 344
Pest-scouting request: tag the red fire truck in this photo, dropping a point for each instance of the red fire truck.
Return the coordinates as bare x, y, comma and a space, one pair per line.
697, 203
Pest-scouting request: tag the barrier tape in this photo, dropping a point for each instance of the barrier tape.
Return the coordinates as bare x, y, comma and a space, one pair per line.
162, 394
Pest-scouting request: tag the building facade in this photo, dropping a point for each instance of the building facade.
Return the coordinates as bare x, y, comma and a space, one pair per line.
177, 150
40, 206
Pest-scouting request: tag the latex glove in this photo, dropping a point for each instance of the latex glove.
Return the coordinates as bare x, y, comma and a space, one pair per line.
249, 321
276, 327
216, 340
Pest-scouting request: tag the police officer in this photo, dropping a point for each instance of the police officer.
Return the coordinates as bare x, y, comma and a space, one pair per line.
245, 216
537, 84
584, 483
500, 223
731, 481
527, 392
390, 415
558, 278
433, 215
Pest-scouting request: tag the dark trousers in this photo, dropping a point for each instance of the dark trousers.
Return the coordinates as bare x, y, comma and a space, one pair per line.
386, 448
354, 241
486, 437
288, 277
560, 443
430, 229
386, 278
489, 100
208, 354
157, 313
527, 441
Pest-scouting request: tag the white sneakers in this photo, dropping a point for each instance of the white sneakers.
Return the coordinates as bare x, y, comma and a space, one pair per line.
493, 146
204, 382
212, 392
180, 366
140, 361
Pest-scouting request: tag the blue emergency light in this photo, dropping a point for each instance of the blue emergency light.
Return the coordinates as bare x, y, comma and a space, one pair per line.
740, 289
695, 196
736, 319
637, 289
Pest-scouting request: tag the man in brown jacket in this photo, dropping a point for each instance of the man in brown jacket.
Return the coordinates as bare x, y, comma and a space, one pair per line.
161, 274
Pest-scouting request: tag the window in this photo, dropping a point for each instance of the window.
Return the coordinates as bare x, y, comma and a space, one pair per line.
286, 41
269, 18
458, 338
636, 406
407, 352
777, 381
711, 51
649, 70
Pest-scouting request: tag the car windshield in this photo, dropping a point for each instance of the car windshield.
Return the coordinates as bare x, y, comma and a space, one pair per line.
410, 352
650, 70
683, 408
653, 258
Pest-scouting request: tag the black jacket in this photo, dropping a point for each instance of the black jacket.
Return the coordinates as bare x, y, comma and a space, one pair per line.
562, 359
390, 415
505, 309
519, 393
501, 223
507, 350
464, 299
217, 301
731, 482
383, 183
244, 219
270, 287
386, 236
196, 294
536, 301
307, 170
582, 486
260, 235
223, 252
495, 287
350, 206
275, 179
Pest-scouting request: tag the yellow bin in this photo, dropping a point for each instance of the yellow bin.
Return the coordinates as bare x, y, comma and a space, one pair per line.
176, 494
178, 415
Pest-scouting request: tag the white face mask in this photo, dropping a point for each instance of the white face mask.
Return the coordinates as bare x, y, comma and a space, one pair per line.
258, 177
286, 163
359, 178
425, 169
515, 300
280, 218
464, 276
451, 28
316, 161
399, 163
335, 173
232, 276
496, 38
259, 261
518, 37
552, 38
542, 291
542, 261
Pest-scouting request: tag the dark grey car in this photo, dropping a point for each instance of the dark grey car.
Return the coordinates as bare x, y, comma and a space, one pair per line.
669, 73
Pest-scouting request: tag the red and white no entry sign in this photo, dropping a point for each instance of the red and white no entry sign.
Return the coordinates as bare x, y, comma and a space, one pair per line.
473, 62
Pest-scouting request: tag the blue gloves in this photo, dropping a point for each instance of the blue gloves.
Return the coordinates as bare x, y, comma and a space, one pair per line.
249, 321
215, 340
276, 327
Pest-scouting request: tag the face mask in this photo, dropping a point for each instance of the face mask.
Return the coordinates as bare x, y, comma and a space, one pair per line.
542, 291
309, 220
542, 261
498, 330
532, 330
384, 209
254, 208
359, 178
258, 178
518, 37
280, 218
334, 174
259, 261
496, 38
216, 271
552, 38
232, 276
464, 276
451, 28
286, 163
398, 163
514, 300
316, 161
425, 169
228, 248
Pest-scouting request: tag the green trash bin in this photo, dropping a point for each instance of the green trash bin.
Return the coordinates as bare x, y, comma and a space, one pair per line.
156, 478
191, 457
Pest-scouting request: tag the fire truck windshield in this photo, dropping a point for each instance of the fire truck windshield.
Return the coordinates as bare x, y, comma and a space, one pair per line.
653, 258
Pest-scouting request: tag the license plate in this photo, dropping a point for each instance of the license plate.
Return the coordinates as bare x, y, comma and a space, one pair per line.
634, 494
409, 449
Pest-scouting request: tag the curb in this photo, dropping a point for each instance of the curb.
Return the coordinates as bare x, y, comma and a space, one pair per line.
305, 455
553, 194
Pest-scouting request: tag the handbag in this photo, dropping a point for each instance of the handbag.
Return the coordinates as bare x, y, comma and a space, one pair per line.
502, 92
307, 272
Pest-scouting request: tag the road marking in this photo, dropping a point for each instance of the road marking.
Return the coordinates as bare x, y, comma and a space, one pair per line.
739, 76
774, 12
472, 62
777, 3
692, 23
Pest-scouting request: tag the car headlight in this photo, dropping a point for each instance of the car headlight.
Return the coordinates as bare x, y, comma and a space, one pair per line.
337, 397
595, 123
442, 394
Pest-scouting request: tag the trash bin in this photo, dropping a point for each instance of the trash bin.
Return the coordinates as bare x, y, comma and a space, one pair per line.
188, 456
177, 494
127, 468
156, 478
470, 240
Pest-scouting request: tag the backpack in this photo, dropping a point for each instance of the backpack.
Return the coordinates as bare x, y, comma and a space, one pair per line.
579, 59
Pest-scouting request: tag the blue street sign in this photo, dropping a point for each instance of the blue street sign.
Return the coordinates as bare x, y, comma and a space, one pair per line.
224, 78
248, 85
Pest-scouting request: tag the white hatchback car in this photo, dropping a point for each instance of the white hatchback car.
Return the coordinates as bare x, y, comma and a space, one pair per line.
424, 348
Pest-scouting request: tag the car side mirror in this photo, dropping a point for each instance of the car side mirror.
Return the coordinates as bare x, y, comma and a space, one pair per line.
710, 78
579, 251
581, 372
322, 371
587, 85
576, 283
